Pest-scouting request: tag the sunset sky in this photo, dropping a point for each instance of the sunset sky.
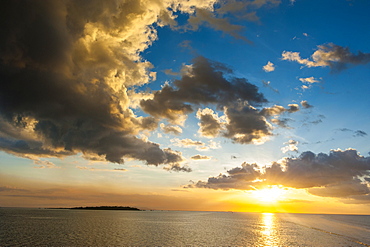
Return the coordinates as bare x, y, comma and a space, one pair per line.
256, 106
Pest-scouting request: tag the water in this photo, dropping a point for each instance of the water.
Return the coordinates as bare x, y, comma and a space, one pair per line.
45, 227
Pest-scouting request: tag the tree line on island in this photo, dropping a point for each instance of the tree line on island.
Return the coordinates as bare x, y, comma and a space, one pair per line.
106, 208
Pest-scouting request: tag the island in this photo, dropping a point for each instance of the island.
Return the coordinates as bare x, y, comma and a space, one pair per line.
103, 208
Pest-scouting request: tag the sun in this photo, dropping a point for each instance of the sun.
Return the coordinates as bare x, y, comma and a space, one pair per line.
268, 195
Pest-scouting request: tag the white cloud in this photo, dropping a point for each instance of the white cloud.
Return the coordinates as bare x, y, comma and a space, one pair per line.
292, 146
309, 80
269, 67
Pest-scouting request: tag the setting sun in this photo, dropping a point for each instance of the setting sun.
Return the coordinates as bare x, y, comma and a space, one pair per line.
269, 195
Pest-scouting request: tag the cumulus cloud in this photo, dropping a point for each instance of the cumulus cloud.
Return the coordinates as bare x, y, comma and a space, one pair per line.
243, 123
210, 124
269, 67
292, 146
205, 84
329, 55
176, 130
66, 72
337, 174
246, 125
212, 83
70, 73
238, 178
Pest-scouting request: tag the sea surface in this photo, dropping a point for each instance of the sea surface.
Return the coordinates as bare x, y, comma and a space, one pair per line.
63, 227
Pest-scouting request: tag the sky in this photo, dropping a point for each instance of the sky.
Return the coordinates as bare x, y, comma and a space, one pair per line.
250, 105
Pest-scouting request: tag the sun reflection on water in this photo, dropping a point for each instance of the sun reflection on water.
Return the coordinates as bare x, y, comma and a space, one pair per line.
268, 233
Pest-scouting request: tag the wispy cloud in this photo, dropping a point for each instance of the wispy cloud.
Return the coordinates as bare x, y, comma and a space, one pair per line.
329, 55
200, 157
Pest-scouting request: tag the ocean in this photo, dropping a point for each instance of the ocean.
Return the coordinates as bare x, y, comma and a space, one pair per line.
63, 227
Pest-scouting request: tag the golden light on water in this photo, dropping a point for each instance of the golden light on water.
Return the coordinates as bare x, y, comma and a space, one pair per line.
269, 236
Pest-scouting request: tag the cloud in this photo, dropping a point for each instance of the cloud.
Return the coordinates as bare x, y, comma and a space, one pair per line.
10, 188
177, 168
206, 83
267, 84
357, 133
346, 189
201, 146
200, 157
66, 75
71, 73
360, 133
246, 125
210, 124
44, 164
269, 67
282, 122
292, 146
100, 169
243, 123
329, 55
176, 130
204, 16
187, 143
305, 104
308, 121
213, 15
337, 174
212, 83
309, 80
238, 178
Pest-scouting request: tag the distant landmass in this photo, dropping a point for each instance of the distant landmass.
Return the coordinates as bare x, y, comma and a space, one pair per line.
105, 208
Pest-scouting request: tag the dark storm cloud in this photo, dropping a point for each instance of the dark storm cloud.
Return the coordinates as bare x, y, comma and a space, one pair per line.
211, 83
64, 76
337, 174
207, 82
